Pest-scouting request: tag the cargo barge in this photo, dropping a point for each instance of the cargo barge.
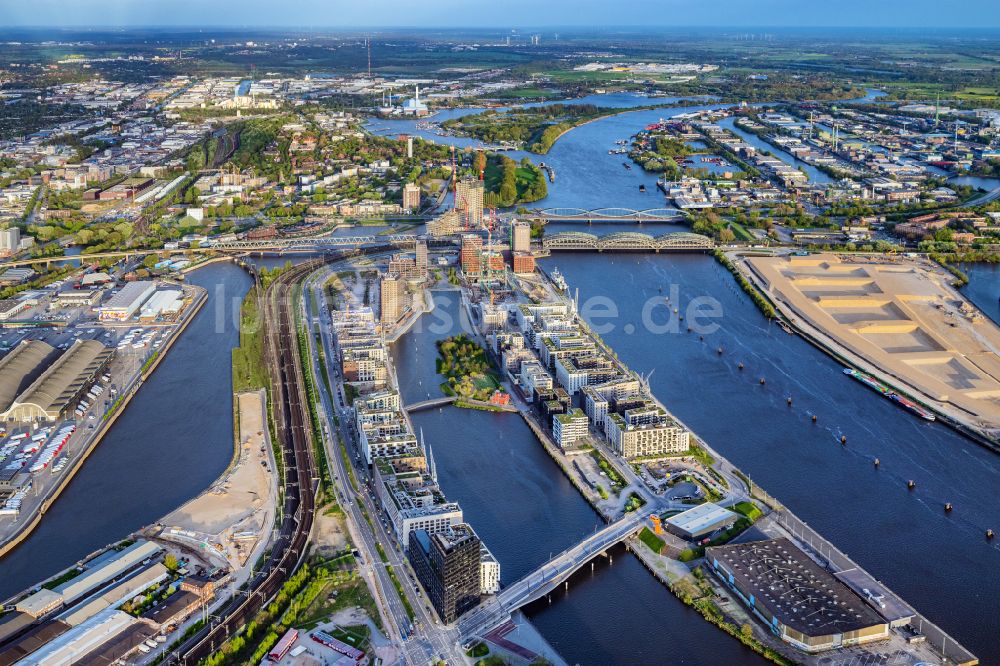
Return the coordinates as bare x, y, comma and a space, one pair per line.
887, 392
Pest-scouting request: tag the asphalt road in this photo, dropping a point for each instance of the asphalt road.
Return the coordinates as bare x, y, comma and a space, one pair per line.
425, 641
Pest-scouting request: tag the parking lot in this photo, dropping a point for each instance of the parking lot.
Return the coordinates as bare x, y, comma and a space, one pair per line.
35, 456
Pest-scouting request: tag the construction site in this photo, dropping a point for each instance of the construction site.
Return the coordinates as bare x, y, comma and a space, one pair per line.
232, 519
899, 319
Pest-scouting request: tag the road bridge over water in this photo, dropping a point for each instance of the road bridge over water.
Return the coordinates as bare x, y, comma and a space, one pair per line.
549, 576
314, 244
628, 241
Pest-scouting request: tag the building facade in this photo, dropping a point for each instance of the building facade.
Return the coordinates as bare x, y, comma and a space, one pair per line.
469, 202
570, 427
392, 298
520, 237
447, 565
411, 197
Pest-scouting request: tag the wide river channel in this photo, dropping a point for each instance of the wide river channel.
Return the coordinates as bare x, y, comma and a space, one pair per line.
176, 437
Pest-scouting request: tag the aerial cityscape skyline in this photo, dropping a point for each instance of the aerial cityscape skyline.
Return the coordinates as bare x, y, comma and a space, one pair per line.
502, 337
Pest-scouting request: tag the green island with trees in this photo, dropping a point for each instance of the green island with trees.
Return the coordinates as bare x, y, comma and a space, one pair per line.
508, 183
466, 367
536, 128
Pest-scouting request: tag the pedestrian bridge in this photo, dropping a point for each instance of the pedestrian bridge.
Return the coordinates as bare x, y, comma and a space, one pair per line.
430, 404
628, 241
549, 576
669, 215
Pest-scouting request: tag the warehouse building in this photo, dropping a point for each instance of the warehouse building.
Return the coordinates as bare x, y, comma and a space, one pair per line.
32, 641
22, 366
99, 571
116, 594
73, 645
38, 604
54, 393
165, 303
174, 609
127, 302
701, 520
798, 600
78, 298
12, 307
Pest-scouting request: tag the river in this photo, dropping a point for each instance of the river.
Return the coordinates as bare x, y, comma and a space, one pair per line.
525, 510
939, 562
172, 442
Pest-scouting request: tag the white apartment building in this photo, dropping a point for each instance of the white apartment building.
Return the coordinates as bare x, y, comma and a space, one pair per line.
570, 428
633, 440
534, 377
489, 571
595, 405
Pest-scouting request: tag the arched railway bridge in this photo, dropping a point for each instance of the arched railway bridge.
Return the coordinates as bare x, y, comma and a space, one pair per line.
627, 241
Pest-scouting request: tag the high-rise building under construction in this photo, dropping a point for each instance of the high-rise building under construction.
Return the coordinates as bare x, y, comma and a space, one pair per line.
469, 202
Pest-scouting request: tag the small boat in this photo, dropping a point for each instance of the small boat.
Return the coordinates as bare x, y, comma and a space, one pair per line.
627, 165
642, 188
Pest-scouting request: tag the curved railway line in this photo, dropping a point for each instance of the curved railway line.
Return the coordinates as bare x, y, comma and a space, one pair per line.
300, 477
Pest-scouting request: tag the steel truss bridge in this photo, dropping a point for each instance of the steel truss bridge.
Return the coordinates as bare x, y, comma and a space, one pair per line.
668, 215
628, 241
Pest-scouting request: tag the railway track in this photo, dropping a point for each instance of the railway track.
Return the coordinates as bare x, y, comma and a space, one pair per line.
300, 476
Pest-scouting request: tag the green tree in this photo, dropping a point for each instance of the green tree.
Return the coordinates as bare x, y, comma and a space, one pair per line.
170, 562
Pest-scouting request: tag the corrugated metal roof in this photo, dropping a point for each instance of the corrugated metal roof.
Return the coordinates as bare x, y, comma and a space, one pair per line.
124, 590
77, 642
85, 582
21, 366
131, 296
53, 390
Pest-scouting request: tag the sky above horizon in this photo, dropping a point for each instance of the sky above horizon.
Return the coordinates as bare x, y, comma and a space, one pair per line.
505, 13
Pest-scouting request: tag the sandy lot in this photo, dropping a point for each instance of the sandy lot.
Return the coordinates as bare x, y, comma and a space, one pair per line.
901, 319
234, 513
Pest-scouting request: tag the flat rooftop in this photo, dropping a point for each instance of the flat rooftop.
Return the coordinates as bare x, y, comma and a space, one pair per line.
797, 591
701, 517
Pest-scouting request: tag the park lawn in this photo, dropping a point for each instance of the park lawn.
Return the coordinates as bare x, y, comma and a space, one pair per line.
533, 92
487, 381
653, 542
337, 596
573, 76
749, 510
525, 178
740, 231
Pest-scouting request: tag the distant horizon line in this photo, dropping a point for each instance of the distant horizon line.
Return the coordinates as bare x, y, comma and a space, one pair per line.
501, 29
